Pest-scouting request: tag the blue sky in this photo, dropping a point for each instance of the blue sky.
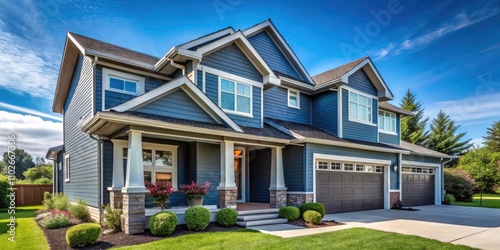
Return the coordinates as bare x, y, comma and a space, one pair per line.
447, 52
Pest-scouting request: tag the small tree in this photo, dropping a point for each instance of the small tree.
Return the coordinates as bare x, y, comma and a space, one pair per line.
482, 165
492, 140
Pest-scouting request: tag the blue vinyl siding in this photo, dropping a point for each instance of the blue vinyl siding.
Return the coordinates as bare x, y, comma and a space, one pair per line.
107, 169
266, 47
81, 148
260, 175
360, 81
232, 60
60, 174
199, 79
212, 83
325, 111
391, 139
208, 169
293, 167
420, 158
179, 105
356, 130
394, 176
276, 106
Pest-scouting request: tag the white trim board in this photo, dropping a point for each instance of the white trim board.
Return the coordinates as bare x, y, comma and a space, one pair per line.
422, 164
230, 76
351, 159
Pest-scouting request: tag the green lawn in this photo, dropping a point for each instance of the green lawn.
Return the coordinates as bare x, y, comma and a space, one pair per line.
356, 238
489, 200
28, 234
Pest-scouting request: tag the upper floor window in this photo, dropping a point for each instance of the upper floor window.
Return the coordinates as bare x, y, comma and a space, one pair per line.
122, 82
360, 108
386, 121
66, 168
235, 97
293, 98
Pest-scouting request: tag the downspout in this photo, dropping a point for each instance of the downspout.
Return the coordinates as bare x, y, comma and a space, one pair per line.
442, 178
179, 66
99, 175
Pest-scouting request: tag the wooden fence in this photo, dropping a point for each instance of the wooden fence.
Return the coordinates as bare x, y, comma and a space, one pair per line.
31, 194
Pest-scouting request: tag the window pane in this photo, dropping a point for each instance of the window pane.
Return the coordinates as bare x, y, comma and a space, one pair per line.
243, 104
227, 101
163, 158
322, 165
293, 101
130, 86
163, 176
147, 176
360, 167
363, 114
243, 89
353, 110
381, 122
125, 152
336, 165
116, 83
227, 85
147, 156
353, 97
348, 167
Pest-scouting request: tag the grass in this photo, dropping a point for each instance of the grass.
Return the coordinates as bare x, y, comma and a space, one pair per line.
355, 238
28, 234
489, 200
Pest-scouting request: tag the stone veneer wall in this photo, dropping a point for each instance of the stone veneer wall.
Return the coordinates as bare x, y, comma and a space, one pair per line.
277, 198
227, 198
298, 199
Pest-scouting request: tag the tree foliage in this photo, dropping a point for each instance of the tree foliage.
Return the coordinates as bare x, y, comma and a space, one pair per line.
443, 136
23, 161
492, 139
413, 127
483, 165
39, 173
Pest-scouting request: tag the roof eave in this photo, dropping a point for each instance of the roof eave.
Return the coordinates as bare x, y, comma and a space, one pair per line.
349, 145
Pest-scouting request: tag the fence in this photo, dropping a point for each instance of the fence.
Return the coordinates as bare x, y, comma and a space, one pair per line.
31, 194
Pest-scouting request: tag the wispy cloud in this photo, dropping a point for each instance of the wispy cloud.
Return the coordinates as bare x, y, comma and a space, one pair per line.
29, 111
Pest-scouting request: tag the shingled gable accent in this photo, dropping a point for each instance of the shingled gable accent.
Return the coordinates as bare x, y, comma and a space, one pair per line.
194, 92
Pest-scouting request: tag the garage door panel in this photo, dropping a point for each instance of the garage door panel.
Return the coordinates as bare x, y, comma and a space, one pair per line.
418, 189
347, 178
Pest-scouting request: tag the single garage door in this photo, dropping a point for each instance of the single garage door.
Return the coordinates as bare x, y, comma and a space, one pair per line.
418, 186
347, 187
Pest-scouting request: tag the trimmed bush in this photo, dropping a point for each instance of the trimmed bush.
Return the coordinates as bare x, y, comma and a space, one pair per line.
80, 210
197, 218
83, 235
448, 199
459, 183
227, 217
163, 223
4, 191
112, 218
290, 213
311, 216
314, 206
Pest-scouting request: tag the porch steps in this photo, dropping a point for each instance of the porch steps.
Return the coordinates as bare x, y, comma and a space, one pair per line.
259, 217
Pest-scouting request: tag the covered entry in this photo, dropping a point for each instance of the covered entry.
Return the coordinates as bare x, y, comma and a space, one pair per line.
418, 186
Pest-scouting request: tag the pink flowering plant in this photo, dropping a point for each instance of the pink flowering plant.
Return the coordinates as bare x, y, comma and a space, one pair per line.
161, 192
194, 190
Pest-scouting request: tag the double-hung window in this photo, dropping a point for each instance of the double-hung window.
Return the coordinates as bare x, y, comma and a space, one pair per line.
235, 97
293, 99
360, 108
386, 121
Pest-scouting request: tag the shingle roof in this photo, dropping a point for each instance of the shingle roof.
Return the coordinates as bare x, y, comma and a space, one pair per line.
421, 150
336, 72
389, 107
104, 47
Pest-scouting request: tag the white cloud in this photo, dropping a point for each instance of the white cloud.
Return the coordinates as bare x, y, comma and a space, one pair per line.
33, 134
478, 142
29, 111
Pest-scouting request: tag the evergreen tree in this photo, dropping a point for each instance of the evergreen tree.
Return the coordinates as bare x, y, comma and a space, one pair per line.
492, 140
443, 136
22, 160
413, 127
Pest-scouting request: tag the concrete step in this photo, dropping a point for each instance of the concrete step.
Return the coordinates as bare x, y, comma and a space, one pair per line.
258, 217
261, 222
259, 211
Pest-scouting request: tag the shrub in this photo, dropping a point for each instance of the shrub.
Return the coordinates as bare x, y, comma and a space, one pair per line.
314, 206
448, 199
112, 218
163, 223
80, 210
397, 205
57, 201
47, 196
4, 191
197, 218
227, 217
48, 202
311, 216
290, 213
56, 219
83, 235
458, 183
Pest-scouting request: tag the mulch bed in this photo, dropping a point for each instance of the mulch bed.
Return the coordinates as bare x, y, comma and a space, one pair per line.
57, 237
325, 223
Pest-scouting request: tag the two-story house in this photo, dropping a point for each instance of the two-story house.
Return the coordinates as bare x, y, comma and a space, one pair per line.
238, 109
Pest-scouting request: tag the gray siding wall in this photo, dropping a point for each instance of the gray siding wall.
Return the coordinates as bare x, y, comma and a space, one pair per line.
60, 173
394, 176
179, 105
293, 167
325, 111
420, 158
360, 81
356, 130
276, 106
232, 60
260, 175
208, 169
391, 139
107, 169
81, 148
199, 79
266, 47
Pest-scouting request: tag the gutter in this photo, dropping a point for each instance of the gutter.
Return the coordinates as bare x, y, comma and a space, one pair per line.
179, 66
443, 192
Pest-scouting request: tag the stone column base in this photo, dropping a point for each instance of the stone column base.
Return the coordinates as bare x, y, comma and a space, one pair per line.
298, 199
394, 196
134, 213
277, 198
115, 198
227, 197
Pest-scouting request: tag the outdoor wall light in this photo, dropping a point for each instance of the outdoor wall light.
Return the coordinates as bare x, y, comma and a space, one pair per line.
395, 167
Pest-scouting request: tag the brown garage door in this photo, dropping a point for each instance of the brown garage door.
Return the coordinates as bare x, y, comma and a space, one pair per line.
349, 191
418, 189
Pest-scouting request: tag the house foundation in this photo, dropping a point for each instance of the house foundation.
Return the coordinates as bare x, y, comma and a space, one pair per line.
134, 213
277, 198
116, 199
297, 199
227, 197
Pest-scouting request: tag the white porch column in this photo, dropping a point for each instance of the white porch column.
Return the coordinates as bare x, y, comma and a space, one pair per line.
117, 167
227, 189
134, 182
277, 189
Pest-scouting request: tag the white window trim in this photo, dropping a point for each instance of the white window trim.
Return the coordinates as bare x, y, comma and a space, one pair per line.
298, 98
67, 167
234, 112
107, 73
395, 123
370, 123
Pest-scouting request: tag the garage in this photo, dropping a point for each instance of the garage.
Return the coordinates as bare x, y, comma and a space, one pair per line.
348, 187
418, 186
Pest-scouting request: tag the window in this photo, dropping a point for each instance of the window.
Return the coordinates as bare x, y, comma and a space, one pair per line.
235, 97
66, 168
360, 167
322, 165
419, 170
159, 163
121, 82
379, 169
336, 166
348, 167
360, 108
293, 99
386, 121
356, 167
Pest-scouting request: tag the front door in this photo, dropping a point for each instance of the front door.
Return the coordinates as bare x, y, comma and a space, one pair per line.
239, 172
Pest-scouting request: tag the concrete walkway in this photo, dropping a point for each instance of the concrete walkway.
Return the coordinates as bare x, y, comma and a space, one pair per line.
471, 226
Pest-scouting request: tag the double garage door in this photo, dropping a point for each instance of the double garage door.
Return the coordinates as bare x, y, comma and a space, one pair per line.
418, 186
